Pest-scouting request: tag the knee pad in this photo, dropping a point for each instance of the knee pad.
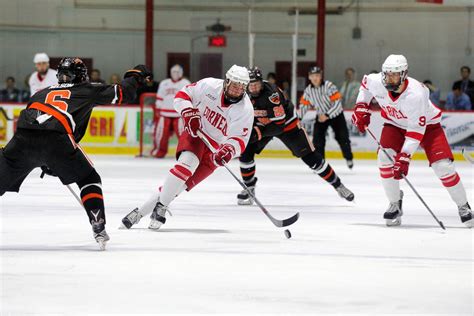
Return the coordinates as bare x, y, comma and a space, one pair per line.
443, 168
188, 160
382, 160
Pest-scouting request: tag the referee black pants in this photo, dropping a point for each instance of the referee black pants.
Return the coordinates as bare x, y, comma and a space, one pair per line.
339, 126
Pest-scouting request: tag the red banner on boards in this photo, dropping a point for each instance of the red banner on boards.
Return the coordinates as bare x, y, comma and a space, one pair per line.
431, 1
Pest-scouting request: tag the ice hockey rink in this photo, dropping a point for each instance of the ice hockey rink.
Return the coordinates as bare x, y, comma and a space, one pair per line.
213, 256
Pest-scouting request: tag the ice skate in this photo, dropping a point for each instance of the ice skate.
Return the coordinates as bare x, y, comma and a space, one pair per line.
466, 215
393, 215
350, 164
158, 216
131, 219
243, 198
345, 193
100, 235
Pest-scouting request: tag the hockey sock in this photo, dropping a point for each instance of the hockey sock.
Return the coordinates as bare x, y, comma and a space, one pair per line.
450, 179
92, 198
247, 170
179, 174
322, 168
390, 185
150, 204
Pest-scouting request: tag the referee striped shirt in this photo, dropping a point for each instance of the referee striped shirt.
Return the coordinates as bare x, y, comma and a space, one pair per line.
325, 99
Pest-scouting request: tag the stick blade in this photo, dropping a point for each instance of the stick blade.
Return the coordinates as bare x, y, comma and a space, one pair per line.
467, 156
286, 222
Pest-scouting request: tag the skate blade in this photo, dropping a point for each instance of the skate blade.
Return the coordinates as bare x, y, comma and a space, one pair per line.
245, 202
102, 243
155, 225
393, 222
122, 226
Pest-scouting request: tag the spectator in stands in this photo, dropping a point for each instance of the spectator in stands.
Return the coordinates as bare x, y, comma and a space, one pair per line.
467, 85
25, 92
95, 76
272, 78
286, 88
458, 100
434, 92
150, 86
10, 93
349, 89
115, 79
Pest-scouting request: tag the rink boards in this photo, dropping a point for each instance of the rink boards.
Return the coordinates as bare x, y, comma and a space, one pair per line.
115, 130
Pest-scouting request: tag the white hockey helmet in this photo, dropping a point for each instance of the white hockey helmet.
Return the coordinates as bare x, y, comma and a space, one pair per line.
41, 58
239, 75
176, 72
394, 64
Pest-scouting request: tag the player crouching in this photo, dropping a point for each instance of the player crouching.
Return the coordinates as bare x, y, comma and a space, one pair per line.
222, 111
410, 120
50, 128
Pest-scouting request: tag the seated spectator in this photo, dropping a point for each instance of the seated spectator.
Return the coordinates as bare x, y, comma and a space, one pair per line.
25, 92
95, 76
349, 89
10, 93
467, 85
434, 92
272, 79
458, 100
286, 88
115, 79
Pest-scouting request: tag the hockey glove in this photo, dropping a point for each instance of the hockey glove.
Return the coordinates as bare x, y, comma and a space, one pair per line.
400, 169
140, 72
361, 116
192, 121
223, 155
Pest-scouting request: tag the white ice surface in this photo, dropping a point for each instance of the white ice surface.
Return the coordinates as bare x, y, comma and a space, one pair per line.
213, 256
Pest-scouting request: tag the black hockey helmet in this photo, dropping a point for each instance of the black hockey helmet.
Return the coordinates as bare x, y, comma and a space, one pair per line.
72, 70
255, 74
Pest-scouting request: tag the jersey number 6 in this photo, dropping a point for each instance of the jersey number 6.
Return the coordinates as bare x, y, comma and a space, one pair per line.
51, 98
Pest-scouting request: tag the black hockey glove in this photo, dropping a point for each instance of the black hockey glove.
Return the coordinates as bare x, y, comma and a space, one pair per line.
140, 72
46, 170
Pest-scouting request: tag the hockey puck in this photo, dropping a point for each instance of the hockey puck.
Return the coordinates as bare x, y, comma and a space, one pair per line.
287, 233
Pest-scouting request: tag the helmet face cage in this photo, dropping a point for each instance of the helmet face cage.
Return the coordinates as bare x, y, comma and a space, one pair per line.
73, 69
255, 75
394, 86
233, 99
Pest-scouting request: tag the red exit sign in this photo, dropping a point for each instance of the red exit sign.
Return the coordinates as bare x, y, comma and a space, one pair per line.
217, 41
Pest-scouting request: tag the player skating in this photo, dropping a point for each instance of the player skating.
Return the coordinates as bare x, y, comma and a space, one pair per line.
166, 119
410, 120
275, 117
223, 112
50, 128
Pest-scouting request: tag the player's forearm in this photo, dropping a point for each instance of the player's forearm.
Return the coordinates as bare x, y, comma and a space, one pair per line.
181, 104
129, 89
410, 146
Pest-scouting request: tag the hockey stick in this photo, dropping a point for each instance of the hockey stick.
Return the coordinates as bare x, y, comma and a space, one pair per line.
467, 156
4, 113
276, 222
405, 178
70, 189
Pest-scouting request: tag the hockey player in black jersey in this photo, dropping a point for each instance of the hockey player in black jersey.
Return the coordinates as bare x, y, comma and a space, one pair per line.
50, 128
274, 116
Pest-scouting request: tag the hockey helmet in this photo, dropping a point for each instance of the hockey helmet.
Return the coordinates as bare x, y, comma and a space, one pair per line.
72, 70
394, 64
236, 76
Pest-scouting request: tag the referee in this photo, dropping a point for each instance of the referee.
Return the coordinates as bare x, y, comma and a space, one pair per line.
323, 96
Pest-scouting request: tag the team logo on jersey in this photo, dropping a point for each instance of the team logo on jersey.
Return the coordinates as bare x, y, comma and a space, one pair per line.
274, 98
213, 98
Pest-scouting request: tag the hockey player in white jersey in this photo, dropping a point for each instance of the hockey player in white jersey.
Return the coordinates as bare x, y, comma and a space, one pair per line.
222, 111
410, 120
44, 76
166, 119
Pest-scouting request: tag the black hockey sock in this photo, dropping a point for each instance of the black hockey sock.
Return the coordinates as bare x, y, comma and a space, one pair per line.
322, 168
92, 198
247, 170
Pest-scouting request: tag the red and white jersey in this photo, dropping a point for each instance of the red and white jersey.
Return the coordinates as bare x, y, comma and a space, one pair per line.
231, 124
38, 83
165, 96
412, 110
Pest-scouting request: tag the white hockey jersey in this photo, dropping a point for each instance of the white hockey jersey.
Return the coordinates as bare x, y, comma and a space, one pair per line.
165, 96
231, 124
412, 110
37, 83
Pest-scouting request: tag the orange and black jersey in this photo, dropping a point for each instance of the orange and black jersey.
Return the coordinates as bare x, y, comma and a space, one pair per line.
67, 107
273, 113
